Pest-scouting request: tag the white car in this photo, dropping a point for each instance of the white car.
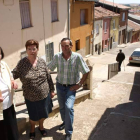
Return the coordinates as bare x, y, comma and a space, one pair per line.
135, 56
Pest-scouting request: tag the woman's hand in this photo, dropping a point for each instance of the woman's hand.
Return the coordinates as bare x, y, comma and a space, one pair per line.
53, 94
14, 84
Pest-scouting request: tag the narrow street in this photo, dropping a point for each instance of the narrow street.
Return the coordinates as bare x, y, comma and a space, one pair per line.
31, 30
113, 113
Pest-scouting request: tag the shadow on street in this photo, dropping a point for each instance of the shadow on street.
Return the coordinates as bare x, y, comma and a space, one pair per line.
123, 121
133, 65
51, 133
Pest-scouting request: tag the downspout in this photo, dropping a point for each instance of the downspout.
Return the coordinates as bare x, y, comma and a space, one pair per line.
93, 29
68, 7
43, 20
126, 28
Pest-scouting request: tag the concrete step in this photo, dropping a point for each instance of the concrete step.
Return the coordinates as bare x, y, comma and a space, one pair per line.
22, 113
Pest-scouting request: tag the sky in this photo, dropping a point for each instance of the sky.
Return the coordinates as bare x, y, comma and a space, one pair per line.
125, 1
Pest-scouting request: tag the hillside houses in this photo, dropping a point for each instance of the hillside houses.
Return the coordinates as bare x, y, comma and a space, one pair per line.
93, 26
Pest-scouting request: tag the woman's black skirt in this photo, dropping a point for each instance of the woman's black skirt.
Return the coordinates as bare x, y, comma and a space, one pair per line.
39, 109
8, 126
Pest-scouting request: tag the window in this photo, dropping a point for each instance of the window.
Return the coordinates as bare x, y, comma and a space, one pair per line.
25, 13
23, 54
54, 10
136, 53
49, 51
114, 26
77, 45
83, 16
105, 28
97, 29
123, 17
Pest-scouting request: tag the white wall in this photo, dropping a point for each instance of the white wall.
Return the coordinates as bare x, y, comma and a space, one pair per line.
98, 38
13, 37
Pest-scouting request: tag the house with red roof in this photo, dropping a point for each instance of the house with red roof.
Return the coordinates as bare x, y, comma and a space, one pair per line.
136, 31
123, 22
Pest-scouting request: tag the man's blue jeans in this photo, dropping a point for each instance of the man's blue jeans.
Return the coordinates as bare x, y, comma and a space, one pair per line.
66, 99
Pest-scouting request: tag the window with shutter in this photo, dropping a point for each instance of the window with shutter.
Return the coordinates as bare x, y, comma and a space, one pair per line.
25, 13
49, 51
23, 54
123, 17
83, 16
105, 28
114, 26
54, 10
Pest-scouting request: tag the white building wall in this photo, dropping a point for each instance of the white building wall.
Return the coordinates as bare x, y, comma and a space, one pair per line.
98, 37
13, 37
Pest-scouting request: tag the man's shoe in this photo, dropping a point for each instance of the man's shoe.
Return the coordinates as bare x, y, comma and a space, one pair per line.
62, 126
68, 137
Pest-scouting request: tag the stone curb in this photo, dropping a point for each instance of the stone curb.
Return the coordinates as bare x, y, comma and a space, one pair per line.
23, 118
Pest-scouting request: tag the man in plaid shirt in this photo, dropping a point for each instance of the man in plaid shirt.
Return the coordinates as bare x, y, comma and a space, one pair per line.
69, 65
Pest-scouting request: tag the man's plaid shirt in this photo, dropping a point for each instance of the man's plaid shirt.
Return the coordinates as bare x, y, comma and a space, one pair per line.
68, 71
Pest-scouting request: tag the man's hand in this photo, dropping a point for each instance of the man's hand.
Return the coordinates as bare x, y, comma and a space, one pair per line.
14, 84
75, 87
1, 99
53, 94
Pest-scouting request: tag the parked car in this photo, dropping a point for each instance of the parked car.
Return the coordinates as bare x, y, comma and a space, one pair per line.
135, 56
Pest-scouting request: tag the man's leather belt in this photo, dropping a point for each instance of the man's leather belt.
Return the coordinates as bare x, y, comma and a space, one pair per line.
66, 85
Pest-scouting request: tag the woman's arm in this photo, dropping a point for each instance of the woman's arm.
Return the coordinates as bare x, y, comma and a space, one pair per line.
13, 83
1, 99
50, 82
53, 94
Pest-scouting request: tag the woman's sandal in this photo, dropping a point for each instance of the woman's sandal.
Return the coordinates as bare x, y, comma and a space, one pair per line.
43, 132
32, 135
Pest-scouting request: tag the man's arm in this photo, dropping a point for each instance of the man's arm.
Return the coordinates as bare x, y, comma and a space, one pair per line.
78, 85
52, 65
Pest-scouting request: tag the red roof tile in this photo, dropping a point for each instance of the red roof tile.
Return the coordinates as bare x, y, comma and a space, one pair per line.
115, 4
102, 12
134, 25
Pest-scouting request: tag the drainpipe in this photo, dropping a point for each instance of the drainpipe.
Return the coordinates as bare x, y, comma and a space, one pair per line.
68, 7
126, 28
44, 35
93, 29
